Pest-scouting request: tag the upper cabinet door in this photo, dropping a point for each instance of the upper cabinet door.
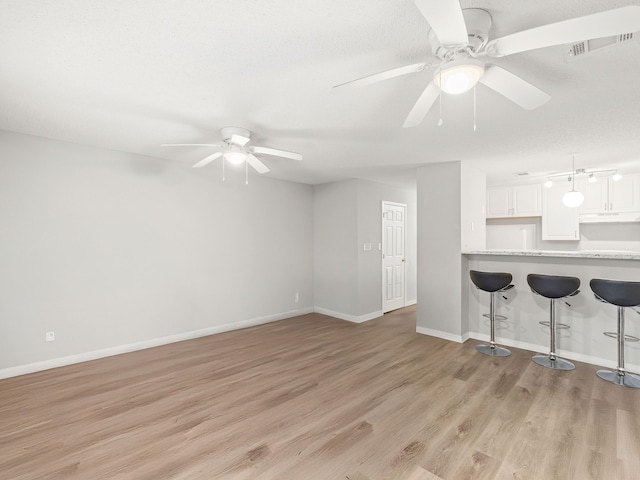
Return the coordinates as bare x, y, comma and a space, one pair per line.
558, 221
596, 198
624, 195
527, 201
499, 202
516, 201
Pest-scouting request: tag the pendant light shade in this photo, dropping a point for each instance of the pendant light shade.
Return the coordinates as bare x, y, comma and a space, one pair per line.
573, 199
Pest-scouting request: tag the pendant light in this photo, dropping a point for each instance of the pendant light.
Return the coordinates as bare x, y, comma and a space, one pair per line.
573, 199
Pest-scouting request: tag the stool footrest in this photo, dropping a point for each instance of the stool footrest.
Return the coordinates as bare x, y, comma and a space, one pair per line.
498, 317
627, 338
559, 326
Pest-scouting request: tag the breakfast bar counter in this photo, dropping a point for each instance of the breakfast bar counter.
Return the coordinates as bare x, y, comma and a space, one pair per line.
587, 317
602, 254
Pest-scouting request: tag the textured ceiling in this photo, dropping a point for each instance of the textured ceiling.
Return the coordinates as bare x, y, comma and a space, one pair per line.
131, 75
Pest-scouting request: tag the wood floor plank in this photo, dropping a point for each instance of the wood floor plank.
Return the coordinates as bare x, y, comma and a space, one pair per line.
317, 398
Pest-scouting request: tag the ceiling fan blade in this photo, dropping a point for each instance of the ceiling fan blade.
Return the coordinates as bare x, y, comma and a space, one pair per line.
386, 75
207, 160
257, 164
516, 89
446, 20
275, 153
239, 139
189, 145
422, 106
598, 25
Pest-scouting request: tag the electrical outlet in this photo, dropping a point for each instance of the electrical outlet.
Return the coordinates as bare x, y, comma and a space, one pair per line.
297, 298
49, 336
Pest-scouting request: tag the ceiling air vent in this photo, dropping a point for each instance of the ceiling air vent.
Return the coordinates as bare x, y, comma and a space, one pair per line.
589, 46
522, 174
578, 49
625, 37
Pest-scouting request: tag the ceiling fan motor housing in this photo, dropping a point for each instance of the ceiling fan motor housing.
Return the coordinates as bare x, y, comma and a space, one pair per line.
228, 132
478, 22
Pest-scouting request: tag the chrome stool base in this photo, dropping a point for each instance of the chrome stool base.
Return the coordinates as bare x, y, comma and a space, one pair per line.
626, 380
494, 352
557, 364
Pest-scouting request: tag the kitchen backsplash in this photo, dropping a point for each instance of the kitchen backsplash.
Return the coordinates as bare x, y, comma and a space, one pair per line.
525, 234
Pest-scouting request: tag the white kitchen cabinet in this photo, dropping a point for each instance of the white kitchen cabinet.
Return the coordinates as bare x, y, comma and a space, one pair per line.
498, 202
609, 196
596, 195
559, 222
514, 201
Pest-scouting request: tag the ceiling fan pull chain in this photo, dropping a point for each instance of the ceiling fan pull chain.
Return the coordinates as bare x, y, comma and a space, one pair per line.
475, 109
223, 169
246, 172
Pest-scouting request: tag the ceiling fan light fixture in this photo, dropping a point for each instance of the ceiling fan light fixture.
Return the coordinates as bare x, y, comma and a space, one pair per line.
235, 156
458, 76
592, 178
616, 177
548, 183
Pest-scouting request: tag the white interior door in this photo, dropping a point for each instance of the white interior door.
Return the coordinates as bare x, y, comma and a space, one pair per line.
393, 255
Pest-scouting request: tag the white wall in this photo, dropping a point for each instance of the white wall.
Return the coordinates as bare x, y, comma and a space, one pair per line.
439, 250
449, 217
473, 192
370, 198
335, 263
348, 280
110, 249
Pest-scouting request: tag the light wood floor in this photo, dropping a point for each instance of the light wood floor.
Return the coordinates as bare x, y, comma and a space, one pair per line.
318, 398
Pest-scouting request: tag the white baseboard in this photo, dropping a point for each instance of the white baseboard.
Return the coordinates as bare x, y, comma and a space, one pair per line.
532, 347
408, 303
154, 342
444, 335
346, 316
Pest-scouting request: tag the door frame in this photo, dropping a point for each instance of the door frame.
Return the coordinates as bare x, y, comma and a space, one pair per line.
404, 247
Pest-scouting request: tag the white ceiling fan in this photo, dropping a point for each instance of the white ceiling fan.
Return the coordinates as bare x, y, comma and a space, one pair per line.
236, 151
459, 38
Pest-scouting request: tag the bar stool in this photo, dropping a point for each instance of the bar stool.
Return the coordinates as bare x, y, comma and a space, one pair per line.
553, 287
622, 295
492, 282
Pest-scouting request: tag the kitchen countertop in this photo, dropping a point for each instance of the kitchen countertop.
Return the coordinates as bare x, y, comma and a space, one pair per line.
604, 254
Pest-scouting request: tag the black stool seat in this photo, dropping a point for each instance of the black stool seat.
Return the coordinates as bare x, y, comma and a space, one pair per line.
553, 286
621, 294
616, 292
490, 281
